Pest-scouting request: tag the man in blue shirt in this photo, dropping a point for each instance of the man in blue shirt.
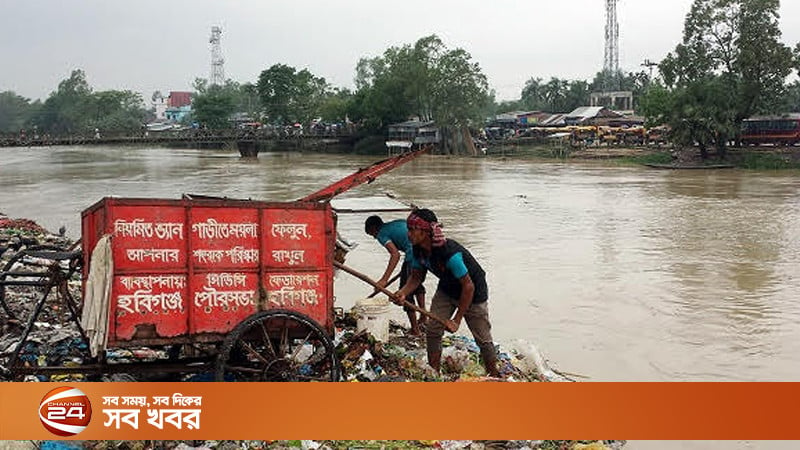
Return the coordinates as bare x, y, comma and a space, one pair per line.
394, 237
462, 288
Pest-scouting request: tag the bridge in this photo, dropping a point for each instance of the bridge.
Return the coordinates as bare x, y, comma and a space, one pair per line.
193, 138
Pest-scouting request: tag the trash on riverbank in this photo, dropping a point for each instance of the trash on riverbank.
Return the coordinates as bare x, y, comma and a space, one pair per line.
56, 341
335, 445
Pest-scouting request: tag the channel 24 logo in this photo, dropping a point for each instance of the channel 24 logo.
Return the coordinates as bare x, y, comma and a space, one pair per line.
65, 411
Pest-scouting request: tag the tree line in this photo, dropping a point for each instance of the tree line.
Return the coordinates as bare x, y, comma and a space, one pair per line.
730, 64
73, 108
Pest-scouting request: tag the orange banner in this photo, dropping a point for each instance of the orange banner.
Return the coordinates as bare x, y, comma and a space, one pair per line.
381, 411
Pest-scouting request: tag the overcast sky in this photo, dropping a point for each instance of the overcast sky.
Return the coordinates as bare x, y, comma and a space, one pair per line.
149, 45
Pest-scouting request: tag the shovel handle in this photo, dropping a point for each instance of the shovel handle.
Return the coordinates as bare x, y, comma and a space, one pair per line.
394, 278
391, 295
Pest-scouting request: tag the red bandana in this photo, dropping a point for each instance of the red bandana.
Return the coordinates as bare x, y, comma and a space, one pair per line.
437, 235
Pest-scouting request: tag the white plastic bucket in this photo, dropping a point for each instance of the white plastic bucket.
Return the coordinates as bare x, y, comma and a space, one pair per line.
372, 315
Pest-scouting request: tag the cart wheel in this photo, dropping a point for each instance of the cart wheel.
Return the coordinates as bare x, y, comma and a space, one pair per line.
277, 345
30, 270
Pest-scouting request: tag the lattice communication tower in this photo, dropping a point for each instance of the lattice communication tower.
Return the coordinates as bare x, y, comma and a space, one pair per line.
611, 63
217, 62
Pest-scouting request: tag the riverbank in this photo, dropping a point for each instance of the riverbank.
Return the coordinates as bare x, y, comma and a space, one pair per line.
56, 341
753, 158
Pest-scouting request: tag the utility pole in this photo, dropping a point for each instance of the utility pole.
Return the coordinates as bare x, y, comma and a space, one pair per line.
649, 64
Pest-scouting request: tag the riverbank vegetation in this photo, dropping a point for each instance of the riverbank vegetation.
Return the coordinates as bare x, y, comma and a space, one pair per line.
729, 66
772, 158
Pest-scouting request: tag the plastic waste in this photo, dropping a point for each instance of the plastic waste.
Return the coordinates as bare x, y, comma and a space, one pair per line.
373, 317
454, 359
532, 360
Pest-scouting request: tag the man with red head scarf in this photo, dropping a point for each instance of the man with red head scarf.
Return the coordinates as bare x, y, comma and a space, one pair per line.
461, 294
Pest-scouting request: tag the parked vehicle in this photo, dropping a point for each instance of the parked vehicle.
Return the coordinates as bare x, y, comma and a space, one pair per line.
777, 130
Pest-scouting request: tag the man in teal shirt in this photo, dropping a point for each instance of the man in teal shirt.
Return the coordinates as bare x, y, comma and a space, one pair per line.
394, 237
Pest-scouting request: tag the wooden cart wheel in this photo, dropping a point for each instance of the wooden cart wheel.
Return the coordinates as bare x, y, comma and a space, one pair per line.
277, 345
31, 268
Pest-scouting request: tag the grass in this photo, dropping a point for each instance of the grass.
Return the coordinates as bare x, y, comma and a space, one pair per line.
654, 158
766, 161
769, 159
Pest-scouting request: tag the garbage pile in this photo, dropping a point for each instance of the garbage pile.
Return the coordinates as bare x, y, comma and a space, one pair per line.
403, 357
56, 341
53, 341
333, 445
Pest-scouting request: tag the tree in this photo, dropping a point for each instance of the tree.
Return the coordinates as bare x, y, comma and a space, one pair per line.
336, 105
426, 80
213, 108
634, 82
791, 101
120, 111
389, 88
213, 105
555, 96
75, 109
249, 101
532, 96
289, 95
656, 105
576, 95
69, 108
15, 111
730, 48
607, 81
460, 91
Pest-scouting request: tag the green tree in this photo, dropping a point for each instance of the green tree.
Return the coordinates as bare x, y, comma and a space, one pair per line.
15, 111
117, 111
605, 81
426, 80
533, 96
634, 82
557, 95
576, 95
213, 105
388, 89
335, 106
69, 109
288, 95
791, 101
213, 108
248, 100
508, 106
730, 48
657, 105
75, 109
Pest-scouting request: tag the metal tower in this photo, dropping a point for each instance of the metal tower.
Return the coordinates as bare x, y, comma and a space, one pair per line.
611, 63
217, 62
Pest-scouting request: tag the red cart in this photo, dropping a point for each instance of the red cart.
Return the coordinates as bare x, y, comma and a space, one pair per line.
240, 288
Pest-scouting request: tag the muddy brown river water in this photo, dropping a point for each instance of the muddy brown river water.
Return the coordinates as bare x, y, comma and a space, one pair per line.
617, 273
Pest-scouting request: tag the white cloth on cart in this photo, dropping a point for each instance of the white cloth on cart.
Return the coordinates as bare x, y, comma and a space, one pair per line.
94, 319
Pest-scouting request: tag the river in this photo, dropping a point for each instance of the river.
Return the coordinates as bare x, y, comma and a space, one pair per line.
616, 273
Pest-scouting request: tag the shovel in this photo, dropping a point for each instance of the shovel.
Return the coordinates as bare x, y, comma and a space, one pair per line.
394, 278
391, 295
